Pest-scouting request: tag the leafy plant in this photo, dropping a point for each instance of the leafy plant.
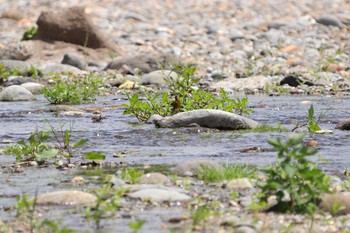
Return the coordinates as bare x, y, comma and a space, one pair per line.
228, 172
65, 146
294, 176
132, 175
136, 225
30, 72
95, 156
30, 33
73, 90
33, 149
311, 124
182, 96
106, 204
200, 212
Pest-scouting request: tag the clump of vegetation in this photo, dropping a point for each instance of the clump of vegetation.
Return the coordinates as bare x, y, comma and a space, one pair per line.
182, 96
228, 172
35, 148
295, 176
30, 33
74, 90
311, 124
132, 175
136, 225
65, 145
106, 204
30, 72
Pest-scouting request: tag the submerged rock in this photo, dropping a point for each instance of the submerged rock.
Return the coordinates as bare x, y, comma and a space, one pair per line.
16, 93
343, 125
69, 197
209, 118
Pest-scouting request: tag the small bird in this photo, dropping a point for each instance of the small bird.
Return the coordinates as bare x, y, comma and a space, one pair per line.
176, 105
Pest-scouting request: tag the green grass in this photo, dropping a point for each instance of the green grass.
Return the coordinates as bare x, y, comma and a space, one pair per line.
228, 172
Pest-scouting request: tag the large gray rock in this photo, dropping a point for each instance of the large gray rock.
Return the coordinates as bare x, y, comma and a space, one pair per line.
329, 20
16, 93
209, 118
153, 178
14, 64
70, 25
157, 77
159, 195
58, 68
69, 197
146, 63
195, 167
33, 87
251, 84
74, 60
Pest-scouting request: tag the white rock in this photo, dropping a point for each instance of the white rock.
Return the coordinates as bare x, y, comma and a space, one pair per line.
16, 93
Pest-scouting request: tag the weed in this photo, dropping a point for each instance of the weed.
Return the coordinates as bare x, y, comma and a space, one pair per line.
228, 172
95, 156
65, 146
182, 96
29, 72
73, 90
30, 33
136, 225
311, 124
132, 175
106, 204
34, 149
293, 174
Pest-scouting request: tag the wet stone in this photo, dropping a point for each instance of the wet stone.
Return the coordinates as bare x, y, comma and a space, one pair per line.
16, 93
159, 195
71, 197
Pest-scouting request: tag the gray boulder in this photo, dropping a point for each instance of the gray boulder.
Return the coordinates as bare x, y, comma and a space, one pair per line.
16, 93
209, 118
70, 25
146, 63
58, 68
15, 64
33, 87
329, 20
153, 178
74, 60
157, 77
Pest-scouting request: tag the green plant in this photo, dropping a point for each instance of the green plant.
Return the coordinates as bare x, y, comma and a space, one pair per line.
136, 225
25, 209
53, 227
30, 33
228, 172
311, 124
182, 96
107, 203
132, 175
200, 211
95, 156
33, 149
65, 146
294, 176
73, 90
